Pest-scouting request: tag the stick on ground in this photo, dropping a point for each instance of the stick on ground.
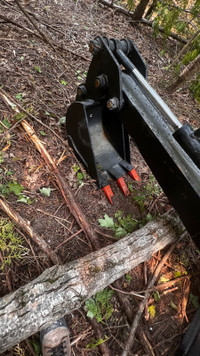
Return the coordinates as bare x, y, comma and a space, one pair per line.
24, 224
61, 289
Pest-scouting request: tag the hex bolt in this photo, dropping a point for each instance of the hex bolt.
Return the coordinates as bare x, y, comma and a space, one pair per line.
113, 103
101, 81
94, 47
81, 90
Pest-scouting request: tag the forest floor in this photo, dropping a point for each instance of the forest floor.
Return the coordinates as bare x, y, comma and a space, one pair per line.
42, 78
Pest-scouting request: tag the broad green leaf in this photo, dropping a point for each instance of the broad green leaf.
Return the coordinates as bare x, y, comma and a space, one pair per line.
42, 133
46, 191
107, 222
15, 188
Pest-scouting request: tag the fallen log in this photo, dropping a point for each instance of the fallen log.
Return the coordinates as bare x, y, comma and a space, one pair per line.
61, 289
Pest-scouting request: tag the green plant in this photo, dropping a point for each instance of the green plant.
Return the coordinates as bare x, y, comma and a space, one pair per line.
37, 346
16, 188
38, 69
4, 124
195, 88
100, 306
150, 191
79, 175
63, 82
1, 158
10, 244
45, 191
122, 225
11, 187
81, 75
19, 96
94, 343
128, 278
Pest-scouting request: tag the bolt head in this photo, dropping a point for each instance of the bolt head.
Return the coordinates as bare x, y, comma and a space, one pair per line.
81, 90
113, 103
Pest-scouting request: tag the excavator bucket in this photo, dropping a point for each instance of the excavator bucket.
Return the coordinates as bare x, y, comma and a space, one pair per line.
94, 128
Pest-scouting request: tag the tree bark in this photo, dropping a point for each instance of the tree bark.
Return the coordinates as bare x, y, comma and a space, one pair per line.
185, 48
62, 289
187, 74
140, 9
151, 9
144, 21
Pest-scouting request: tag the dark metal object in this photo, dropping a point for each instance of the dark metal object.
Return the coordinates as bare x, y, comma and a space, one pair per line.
190, 345
99, 123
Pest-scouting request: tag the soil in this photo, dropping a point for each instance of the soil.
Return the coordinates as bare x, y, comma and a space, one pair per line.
42, 78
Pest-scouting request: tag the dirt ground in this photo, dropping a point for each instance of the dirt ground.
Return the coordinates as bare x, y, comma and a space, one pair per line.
42, 78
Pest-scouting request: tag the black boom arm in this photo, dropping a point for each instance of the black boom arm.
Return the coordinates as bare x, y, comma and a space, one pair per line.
117, 101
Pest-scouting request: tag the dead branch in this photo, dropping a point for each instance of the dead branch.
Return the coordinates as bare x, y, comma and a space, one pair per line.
100, 335
24, 224
143, 303
187, 74
68, 196
144, 21
61, 289
184, 49
5, 18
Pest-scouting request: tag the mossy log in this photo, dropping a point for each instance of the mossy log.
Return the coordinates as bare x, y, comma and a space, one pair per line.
61, 289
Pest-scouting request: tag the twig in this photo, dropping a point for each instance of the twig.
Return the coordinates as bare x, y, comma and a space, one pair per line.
69, 238
25, 225
100, 335
17, 24
31, 247
143, 303
67, 194
53, 216
164, 285
127, 293
11, 102
45, 37
146, 342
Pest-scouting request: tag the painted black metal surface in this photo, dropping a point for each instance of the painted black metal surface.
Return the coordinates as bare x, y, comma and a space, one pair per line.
95, 131
190, 345
113, 104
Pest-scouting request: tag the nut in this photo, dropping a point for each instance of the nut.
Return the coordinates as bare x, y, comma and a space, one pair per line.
113, 103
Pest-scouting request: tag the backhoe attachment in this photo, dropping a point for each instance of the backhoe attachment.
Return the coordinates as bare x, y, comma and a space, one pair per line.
116, 102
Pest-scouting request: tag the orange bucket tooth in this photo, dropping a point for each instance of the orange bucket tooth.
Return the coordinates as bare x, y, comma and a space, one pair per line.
108, 192
121, 183
133, 174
